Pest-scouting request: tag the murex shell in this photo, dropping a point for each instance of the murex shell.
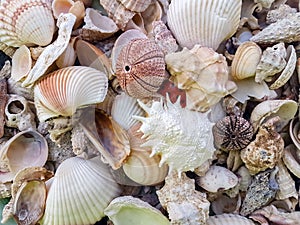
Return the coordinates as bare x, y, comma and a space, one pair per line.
26, 22
206, 22
182, 137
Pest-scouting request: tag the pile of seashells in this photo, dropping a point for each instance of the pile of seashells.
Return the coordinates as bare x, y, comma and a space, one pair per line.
130, 112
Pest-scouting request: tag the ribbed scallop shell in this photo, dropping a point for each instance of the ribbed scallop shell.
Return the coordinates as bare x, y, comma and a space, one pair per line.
80, 191
136, 5
63, 91
26, 22
206, 22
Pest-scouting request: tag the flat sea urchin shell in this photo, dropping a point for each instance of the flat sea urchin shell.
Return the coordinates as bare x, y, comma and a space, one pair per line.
182, 137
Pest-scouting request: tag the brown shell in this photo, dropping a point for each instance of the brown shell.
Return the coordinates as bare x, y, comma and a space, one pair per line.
140, 68
3, 100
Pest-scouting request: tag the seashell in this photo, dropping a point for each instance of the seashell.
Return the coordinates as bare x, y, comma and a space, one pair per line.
244, 178
25, 149
288, 70
155, 12
97, 27
234, 160
285, 109
123, 108
264, 3
261, 191
195, 22
76, 86
26, 23
294, 131
280, 13
14, 87
3, 101
184, 204
232, 133
21, 63
285, 30
68, 57
119, 209
85, 184
140, 68
136, 6
228, 218
203, 73
272, 62
247, 14
245, 61
109, 138
8, 50
18, 113
167, 131
217, 178
226, 204
65, 24
266, 150
291, 159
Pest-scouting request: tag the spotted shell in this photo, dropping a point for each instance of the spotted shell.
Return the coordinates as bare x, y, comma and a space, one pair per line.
182, 137
26, 22
140, 68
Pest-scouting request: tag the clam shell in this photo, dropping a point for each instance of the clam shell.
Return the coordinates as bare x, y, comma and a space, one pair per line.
26, 22
195, 22
21, 63
63, 91
25, 149
232, 219
79, 192
245, 60
68, 57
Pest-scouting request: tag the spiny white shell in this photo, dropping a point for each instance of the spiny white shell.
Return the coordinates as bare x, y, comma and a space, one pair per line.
79, 192
205, 22
182, 137
26, 22
63, 91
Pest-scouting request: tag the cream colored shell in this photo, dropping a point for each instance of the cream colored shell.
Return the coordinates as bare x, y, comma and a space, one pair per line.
206, 22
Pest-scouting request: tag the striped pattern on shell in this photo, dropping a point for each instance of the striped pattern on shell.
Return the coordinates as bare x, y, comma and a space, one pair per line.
140, 68
63, 91
26, 22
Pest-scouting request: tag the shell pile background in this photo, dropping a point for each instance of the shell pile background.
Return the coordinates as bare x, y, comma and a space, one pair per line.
178, 112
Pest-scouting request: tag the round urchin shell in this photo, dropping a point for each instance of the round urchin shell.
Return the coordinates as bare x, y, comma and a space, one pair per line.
232, 133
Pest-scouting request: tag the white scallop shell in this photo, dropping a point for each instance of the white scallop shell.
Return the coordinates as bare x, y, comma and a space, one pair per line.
63, 91
79, 192
206, 22
182, 137
26, 22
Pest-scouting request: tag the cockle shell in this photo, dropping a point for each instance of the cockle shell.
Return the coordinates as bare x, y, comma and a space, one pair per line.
266, 150
25, 149
182, 146
184, 204
195, 22
217, 178
245, 60
140, 68
26, 22
203, 73
79, 185
21, 63
63, 91
272, 61
232, 219
285, 30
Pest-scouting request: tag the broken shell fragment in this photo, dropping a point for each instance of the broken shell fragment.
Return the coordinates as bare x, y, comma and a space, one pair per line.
63, 91
127, 210
3, 101
291, 159
294, 131
21, 63
26, 23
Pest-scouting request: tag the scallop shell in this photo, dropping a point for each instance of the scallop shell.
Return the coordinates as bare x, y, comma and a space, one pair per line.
272, 62
79, 192
217, 178
21, 63
140, 68
245, 60
232, 219
63, 91
25, 149
171, 130
26, 22
195, 22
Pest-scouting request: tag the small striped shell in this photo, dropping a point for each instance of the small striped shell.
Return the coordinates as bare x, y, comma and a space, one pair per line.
26, 22
63, 91
136, 5
226, 219
79, 192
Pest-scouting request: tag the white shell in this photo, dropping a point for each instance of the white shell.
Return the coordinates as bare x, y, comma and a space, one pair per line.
63, 91
226, 219
26, 22
79, 192
21, 63
205, 22
182, 137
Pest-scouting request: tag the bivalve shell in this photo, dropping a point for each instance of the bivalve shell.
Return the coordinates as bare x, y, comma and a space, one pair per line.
26, 22
232, 219
63, 91
206, 22
21, 63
